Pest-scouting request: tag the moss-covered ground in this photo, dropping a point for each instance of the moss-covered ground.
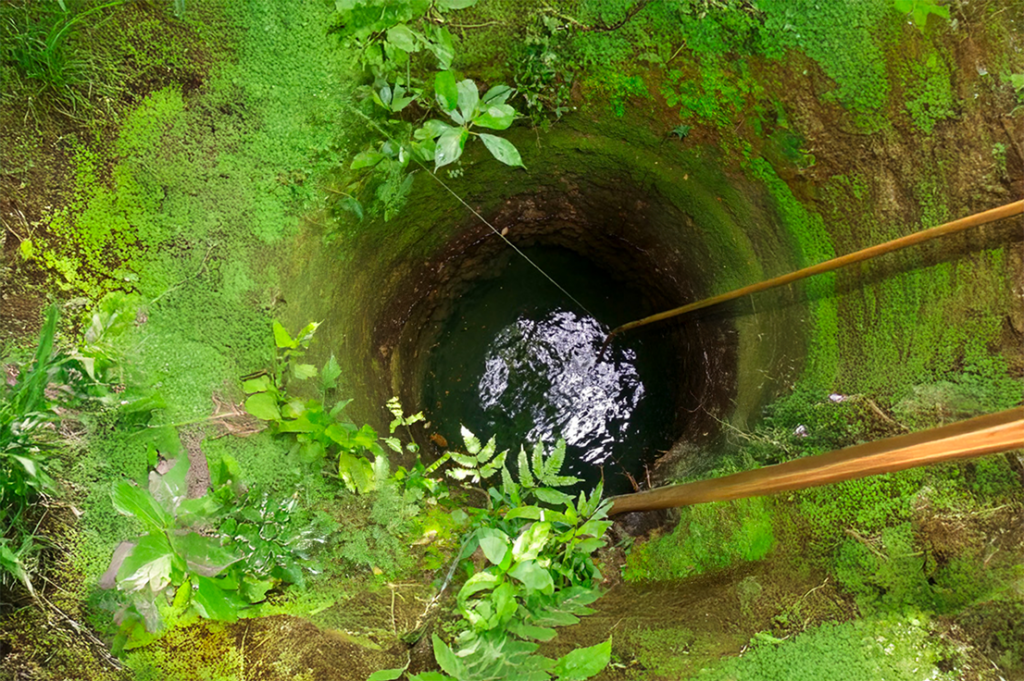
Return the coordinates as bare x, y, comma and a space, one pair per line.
197, 160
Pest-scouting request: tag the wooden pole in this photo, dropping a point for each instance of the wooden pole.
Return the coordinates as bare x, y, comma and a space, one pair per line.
1009, 210
989, 434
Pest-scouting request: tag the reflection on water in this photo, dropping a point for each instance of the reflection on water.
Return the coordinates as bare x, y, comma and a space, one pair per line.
546, 372
517, 361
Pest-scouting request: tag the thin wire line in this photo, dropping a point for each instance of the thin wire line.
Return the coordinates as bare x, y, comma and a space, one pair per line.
481, 217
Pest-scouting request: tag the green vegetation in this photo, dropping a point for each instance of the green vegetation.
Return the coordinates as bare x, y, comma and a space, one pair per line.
899, 647
539, 573
188, 183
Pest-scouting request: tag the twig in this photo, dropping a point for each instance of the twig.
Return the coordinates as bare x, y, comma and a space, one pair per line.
863, 540
636, 9
98, 645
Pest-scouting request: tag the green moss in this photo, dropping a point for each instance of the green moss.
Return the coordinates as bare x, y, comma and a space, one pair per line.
929, 96
897, 648
200, 652
810, 243
845, 39
708, 537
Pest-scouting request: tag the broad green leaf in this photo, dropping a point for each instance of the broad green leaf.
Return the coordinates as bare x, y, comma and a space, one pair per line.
131, 500
530, 631
311, 452
494, 543
215, 603
294, 409
449, 147
404, 38
583, 663
442, 45
263, 406
552, 496
496, 117
469, 96
198, 511
149, 564
431, 676
447, 90
531, 542
256, 385
531, 512
364, 159
255, 590
394, 444
305, 336
588, 546
431, 129
28, 464
304, 371
356, 472
455, 4
302, 424
281, 337
481, 581
533, 576
329, 374
205, 556
365, 437
447, 660
497, 94
503, 150
505, 605
169, 488
386, 674
352, 205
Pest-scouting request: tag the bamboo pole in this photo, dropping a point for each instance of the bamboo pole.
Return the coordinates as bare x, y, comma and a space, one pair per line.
1009, 210
1000, 432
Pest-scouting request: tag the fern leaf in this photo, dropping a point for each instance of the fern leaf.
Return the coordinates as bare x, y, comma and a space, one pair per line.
525, 479
488, 450
538, 461
471, 440
557, 458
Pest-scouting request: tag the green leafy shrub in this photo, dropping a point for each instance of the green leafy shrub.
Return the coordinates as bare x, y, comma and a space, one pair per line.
214, 555
529, 569
316, 429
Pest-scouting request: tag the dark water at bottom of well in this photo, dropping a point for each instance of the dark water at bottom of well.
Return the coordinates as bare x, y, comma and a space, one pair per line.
519, 360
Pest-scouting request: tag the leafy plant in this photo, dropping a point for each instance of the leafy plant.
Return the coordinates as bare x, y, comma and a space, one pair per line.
529, 570
542, 76
36, 45
214, 555
29, 407
388, 35
920, 10
320, 431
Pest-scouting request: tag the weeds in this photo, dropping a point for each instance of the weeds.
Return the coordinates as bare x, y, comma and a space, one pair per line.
40, 55
34, 396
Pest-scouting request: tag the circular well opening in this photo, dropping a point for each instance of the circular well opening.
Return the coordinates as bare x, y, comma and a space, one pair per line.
503, 351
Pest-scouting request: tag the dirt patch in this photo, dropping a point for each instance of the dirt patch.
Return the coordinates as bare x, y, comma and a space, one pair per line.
198, 476
287, 648
670, 630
